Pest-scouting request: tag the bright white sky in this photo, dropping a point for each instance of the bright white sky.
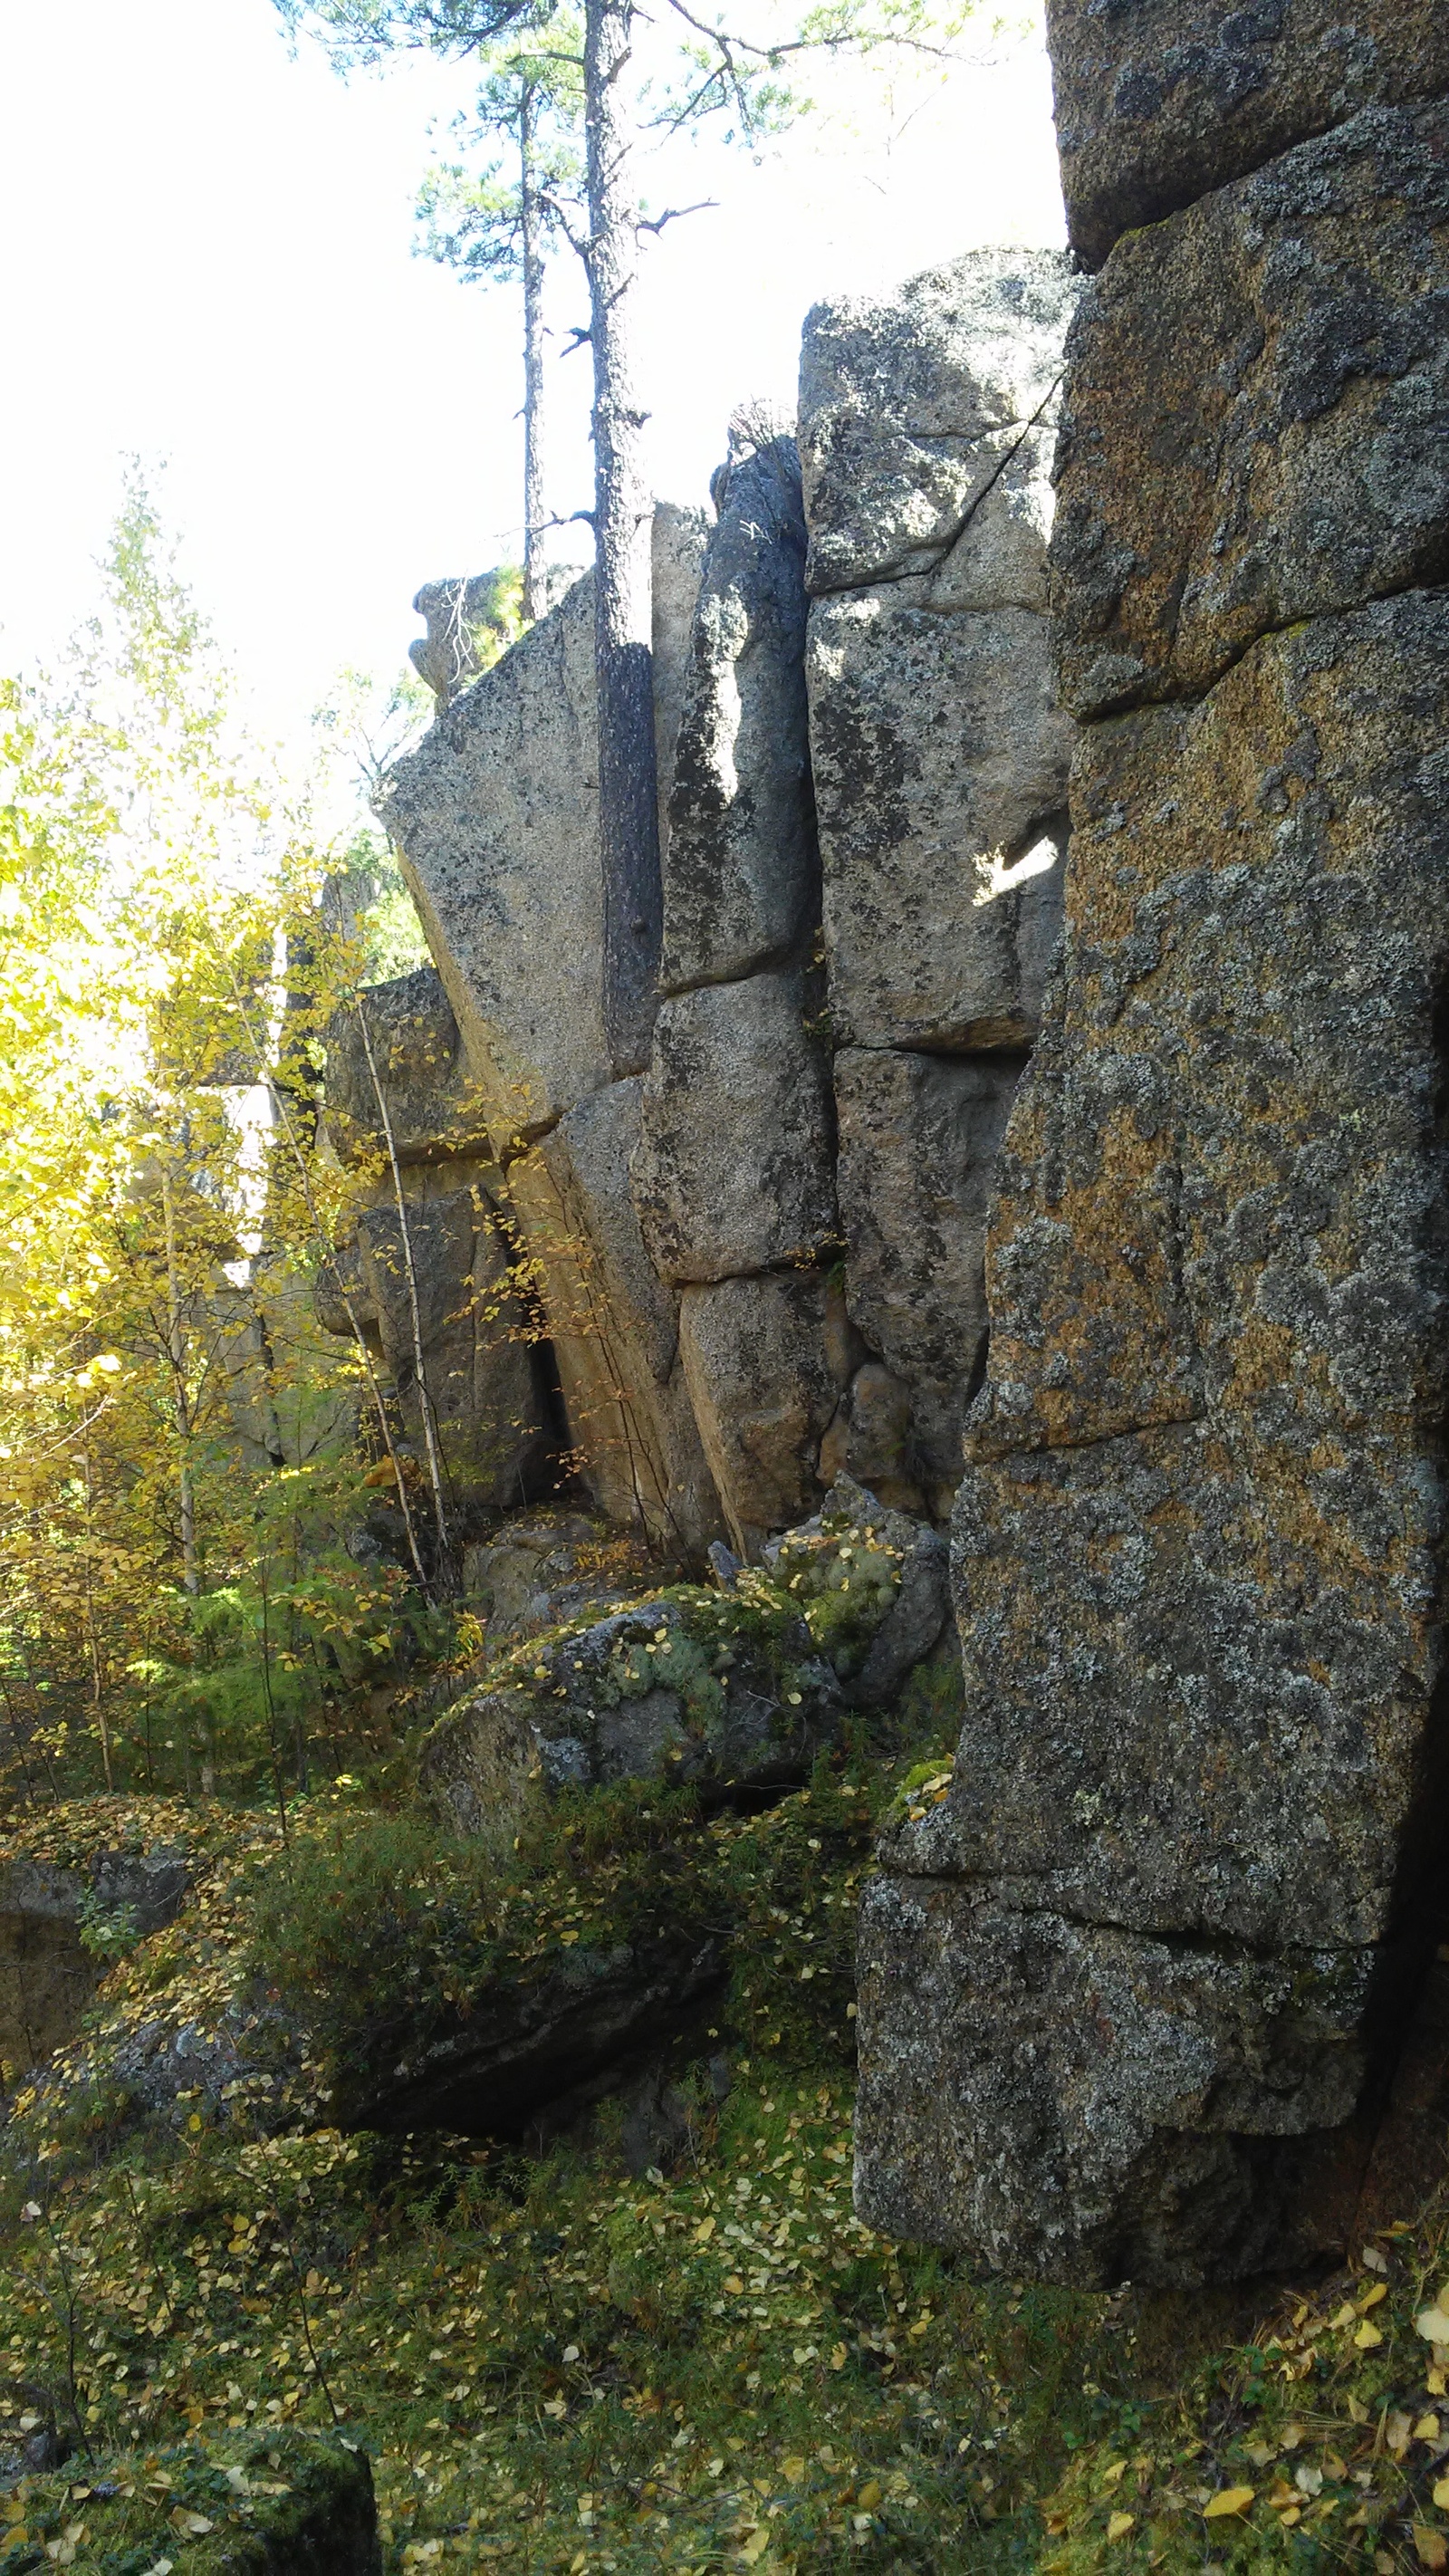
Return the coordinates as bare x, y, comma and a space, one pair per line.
208, 261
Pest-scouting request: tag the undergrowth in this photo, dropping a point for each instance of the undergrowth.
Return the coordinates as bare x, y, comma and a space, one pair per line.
605, 2355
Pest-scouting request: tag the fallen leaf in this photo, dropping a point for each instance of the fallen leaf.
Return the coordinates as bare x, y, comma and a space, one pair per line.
1119, 2525
1433, 2325
1441, 2494
870, 2494
1372, 2296
1228, 2500
1430, 2547
1367, 2337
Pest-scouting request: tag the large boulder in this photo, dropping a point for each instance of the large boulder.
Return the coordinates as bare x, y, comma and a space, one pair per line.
58, 1927
940, 759
1196, 1543
1255, 428
613, 1324
919, 1138
732, 1172
495, 818
1158, 101
766, 1361
735, 1689
913, 406
741, 875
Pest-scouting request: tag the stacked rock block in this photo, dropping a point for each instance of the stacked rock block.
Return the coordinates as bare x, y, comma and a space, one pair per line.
495, 820
761, 1259
927, 425
734, 1172
1131, 1991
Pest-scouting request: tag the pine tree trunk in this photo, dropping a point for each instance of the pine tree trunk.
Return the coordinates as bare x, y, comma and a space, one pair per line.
623, 526
535, 599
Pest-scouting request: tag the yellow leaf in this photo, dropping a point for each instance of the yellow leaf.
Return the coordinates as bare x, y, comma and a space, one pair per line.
1117, 2470
755, 2547
1228, 2500
838, 2356
1430, 2547
793, 2471
1441, 2494
1433, 2325
1367, 2336
194, 2122
1119, 2525
1371, 2297
733, 2284
870, 2494
314, 2282
1427, 2429
704, 2231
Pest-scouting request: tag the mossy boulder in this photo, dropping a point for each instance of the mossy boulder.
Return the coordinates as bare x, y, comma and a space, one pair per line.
733, 1688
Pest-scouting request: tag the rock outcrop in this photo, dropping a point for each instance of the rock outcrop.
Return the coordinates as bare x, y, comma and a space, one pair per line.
758, 1263
940, 760
48, 1970
1131, 1990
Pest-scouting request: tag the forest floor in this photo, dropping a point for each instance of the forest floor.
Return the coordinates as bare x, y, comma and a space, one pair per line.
559, 2363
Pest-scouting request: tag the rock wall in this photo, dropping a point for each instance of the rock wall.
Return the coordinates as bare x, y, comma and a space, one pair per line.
1132, 1989
760, 1262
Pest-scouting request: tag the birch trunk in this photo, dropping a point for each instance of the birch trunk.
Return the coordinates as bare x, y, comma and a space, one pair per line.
623, 524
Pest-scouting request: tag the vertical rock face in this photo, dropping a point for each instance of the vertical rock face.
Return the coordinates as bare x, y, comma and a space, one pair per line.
760, 1263
1132, 1989
940, 764
733, 1173
1160, 100
488, 1396
495, 817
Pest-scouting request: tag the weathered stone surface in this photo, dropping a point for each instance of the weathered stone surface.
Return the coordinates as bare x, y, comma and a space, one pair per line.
613, 1324
741, 877
1214, 1410
47, 1974
765, 1373
562, 2038
919, 1138
738, 1689
1158, 101
488, 1403
911, 407
495, 819
940, 762
1195, 1549
1081, 2103
668, 1690
536, 1569
429, 1095
872, 1439
874, 1586
732, 1171
1258, 422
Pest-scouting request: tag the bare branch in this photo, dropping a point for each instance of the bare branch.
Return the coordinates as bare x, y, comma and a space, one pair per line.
672, 214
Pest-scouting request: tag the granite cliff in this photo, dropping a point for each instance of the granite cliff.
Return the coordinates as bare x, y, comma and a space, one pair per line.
1131, 1994
1098, 1206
